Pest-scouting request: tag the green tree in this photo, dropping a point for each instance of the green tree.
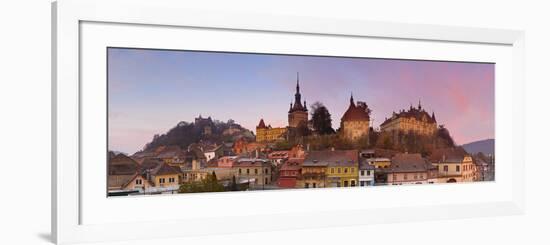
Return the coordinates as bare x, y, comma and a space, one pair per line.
445, 137
321, 119
208, 184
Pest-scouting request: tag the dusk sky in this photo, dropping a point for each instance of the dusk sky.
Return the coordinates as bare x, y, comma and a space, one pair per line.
150, 91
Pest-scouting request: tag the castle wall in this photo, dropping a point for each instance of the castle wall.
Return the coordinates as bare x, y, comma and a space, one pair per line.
353, 130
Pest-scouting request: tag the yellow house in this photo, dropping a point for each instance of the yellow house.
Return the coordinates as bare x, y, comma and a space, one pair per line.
342, 166
454, 165
139, 183
162, 177
166, 176
312, 174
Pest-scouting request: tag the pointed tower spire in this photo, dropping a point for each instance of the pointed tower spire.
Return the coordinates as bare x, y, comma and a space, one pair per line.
419, 105
351, 99
433, 115
261, 124
297, 82
298, 96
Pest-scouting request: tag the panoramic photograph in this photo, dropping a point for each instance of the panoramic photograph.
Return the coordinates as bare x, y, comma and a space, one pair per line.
182, 121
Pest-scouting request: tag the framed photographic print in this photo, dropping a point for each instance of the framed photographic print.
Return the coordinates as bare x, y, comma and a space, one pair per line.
213, 123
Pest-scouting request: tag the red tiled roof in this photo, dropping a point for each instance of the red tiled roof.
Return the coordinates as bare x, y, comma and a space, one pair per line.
355, 113
336, 157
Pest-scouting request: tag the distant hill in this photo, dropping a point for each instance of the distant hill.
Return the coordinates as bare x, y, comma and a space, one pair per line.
486, 146
203, 129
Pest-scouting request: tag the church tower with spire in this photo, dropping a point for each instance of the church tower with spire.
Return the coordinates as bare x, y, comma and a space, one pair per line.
297, 115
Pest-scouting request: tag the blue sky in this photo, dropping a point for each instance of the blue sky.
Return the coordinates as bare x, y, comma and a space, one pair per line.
150, 91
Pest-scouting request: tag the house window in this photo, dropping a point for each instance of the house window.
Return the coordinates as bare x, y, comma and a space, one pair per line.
352, 170
266, 171
240, 171
314, 185
405, 177
368, 172
352, 183
362, 172
162, 180
331, 170
265, 181
138, 182
446, 168
415, 176
457, 168
346, 170
247, 171
339, 170
394, 177
256, 171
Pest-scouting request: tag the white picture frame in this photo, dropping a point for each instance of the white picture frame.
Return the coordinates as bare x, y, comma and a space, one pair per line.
67, 200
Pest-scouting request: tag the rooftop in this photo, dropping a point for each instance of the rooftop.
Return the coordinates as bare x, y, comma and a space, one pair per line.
332, 158
357, 112
405, 162
414, 112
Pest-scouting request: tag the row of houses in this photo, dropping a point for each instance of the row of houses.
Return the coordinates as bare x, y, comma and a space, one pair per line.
348, 168
166, 168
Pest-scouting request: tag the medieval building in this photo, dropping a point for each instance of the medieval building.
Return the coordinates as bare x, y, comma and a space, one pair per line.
355, 121
297, 115
415, 120
269, 134
205, 123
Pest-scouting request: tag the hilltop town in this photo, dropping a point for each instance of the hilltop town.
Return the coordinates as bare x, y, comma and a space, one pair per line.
409, 147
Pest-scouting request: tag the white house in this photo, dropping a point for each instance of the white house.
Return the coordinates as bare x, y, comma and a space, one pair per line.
366, 173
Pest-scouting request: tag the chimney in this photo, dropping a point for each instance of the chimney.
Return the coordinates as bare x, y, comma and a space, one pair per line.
257, 154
